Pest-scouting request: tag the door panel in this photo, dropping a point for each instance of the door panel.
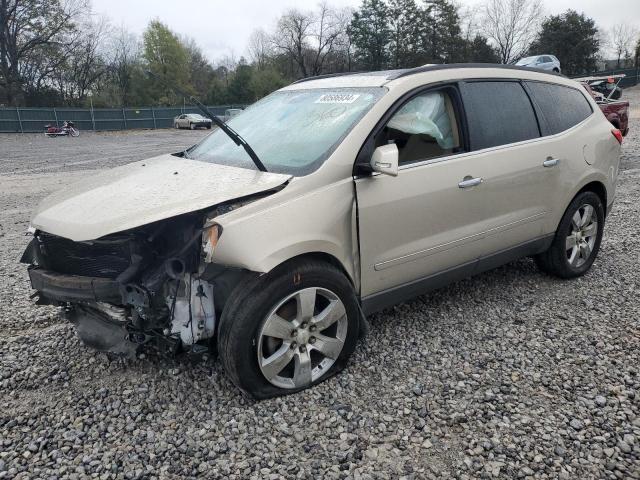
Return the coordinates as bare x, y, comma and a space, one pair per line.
518, 190
519, 193
418, 223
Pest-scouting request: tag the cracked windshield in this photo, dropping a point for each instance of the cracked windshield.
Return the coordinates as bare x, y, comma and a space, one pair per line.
292, 132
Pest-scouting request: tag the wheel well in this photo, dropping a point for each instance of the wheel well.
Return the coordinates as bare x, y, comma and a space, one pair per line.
322, 257
597, 188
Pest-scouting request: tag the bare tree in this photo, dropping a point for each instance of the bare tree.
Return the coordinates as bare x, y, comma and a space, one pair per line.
623, 38
293, 36
310, 39
124, 59
325, 34
87, 64
260, 48
470, 21
343, 51
27, 26
512, 26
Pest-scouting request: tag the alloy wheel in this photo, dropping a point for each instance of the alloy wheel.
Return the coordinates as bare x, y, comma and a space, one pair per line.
302, 337
583, 235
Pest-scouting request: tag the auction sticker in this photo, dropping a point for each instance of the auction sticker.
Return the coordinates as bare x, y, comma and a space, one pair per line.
338, 98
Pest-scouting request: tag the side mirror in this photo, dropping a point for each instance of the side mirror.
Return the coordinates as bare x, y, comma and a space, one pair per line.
385, 160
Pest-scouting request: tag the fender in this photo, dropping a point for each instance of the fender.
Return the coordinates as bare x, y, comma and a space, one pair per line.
271, 231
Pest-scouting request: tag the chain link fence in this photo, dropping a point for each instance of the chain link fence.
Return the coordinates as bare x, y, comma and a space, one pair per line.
24, 120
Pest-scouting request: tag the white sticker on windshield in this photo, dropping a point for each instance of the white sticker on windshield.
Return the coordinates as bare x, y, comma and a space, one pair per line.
338, 98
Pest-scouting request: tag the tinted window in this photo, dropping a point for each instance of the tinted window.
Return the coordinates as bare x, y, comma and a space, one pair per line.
547, 59
498, 113
562, 107
425, 127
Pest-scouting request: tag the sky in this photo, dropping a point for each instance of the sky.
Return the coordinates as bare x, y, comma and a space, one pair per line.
223, 27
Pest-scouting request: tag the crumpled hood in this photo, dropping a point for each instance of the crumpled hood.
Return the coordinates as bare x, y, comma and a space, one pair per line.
144, 192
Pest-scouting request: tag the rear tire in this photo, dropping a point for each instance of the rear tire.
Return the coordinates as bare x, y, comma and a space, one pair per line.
271, 340
192, 126
577, 240
176, 126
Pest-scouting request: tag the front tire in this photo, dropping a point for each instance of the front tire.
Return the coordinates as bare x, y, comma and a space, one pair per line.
192, 126
289, 329
577, 240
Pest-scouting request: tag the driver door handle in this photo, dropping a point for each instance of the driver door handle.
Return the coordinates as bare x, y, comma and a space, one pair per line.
551, 162
469, 182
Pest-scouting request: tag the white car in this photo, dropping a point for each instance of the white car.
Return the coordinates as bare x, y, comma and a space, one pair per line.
542, 62
342, 196
192, 121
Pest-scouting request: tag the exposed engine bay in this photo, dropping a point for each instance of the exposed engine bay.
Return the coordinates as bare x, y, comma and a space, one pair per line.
151, 286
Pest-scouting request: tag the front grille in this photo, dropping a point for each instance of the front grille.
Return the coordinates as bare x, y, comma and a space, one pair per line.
104, 259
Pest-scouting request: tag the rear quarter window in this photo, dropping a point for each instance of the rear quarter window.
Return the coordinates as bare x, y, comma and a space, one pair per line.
561, 107
498, 113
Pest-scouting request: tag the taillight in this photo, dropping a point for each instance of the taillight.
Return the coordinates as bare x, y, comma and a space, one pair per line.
618, 134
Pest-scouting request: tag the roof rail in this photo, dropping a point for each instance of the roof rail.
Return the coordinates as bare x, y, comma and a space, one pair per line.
447, 66
326, 75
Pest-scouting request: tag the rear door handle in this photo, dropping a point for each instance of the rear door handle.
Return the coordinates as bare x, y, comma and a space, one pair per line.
469, 182
551, 162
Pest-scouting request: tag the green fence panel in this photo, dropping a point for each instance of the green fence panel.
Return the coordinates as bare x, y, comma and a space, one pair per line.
108, 119
36, 119
9, 120
140, 118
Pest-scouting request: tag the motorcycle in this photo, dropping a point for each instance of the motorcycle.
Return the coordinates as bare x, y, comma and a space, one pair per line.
67, 129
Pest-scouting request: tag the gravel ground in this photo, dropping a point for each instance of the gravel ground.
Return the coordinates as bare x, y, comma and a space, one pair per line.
510, 374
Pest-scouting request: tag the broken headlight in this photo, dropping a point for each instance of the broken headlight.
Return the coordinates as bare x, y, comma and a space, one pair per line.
210, 236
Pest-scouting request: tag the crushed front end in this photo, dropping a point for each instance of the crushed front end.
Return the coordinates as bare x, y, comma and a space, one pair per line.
149, 286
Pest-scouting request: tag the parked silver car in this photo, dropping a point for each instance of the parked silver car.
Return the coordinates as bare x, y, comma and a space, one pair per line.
192, 121
380, 187
543, 62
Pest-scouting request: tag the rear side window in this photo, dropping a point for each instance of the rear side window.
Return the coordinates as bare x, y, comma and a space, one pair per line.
498, 113
562, 107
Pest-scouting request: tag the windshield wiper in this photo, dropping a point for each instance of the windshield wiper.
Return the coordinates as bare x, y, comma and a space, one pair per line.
231, 133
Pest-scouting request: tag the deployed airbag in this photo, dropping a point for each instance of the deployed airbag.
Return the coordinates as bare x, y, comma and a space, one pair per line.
426, 115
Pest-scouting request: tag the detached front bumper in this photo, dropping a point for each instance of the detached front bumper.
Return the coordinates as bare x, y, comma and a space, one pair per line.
72, 288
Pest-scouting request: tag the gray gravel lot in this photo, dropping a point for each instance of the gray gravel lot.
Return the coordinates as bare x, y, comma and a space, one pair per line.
510, 374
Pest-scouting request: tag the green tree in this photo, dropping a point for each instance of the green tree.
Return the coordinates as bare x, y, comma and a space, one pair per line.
264, 81
370, 34
573, 38
404, 26
239, 90
166, 57
478, 50
440, 31
200, 69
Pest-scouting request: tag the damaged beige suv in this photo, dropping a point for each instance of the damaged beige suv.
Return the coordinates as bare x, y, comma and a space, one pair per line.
332, 198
